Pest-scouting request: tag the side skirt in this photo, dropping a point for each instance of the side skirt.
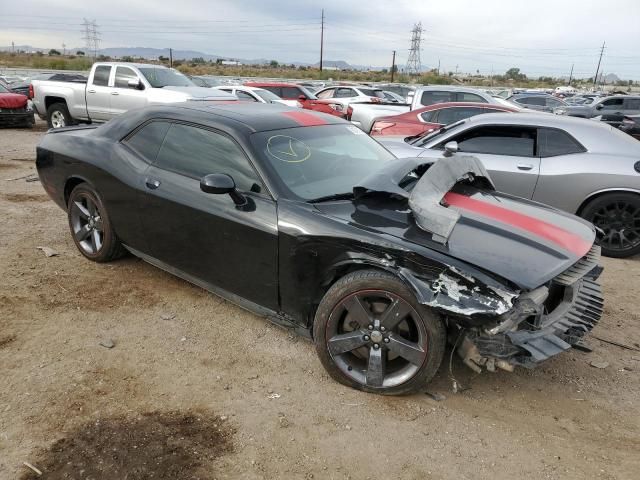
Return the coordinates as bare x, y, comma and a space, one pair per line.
271, 315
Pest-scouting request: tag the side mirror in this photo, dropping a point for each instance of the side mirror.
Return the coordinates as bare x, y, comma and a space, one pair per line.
221, 183
599, 106
302, 98
450, 148
136, 84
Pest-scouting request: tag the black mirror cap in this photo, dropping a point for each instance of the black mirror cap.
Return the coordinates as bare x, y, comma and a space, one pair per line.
217, 183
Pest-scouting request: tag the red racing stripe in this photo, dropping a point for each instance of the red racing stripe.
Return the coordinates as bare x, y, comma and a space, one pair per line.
305, 119
563, 238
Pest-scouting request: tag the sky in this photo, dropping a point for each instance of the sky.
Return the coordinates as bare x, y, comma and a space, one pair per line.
541, 38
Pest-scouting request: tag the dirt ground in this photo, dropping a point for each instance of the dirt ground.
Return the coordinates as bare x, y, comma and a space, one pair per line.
197, 388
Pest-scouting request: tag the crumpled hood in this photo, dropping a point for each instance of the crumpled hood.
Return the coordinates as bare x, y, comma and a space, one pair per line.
522, 241
13, 100
202, 93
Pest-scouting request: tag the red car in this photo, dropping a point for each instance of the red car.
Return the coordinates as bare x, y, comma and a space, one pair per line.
304, 98
14, 109
432, 117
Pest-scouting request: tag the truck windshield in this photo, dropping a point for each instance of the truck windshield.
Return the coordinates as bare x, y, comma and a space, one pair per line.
165, 77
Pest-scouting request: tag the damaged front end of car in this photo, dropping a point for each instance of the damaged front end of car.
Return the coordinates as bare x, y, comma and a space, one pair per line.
515, 303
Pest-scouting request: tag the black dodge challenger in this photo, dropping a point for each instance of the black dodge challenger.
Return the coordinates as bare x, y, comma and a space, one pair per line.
300, 217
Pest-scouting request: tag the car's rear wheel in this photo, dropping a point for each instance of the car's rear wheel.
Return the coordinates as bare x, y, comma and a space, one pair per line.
91, 227
58, 116
372, 334
618, 215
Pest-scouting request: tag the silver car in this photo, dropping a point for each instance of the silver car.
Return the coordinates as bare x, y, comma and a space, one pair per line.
580, 166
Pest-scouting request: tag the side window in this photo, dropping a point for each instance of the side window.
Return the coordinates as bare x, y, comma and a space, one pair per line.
612, 104
244, 96
432, 97
275, 90
429, 117
147, 140
291, 93
196, 152
470, 97
552, 142
450, 115
327, 93
123, 75
498, 140
344, 93
632, 104
101, 75
540, 101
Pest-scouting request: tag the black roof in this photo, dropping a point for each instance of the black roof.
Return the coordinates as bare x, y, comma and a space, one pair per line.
233, 116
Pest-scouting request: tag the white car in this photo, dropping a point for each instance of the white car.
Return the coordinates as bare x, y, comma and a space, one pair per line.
347, 94
256, 94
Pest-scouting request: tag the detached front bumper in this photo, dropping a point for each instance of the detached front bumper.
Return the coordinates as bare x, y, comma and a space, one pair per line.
16, 117
543, 323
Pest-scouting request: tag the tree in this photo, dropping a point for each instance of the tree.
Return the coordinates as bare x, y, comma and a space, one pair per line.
198, 60
273, 64
80, 53
53, 51
127, 58
514, 74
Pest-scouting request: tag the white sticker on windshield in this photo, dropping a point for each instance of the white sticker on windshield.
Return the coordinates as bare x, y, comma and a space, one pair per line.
355, 130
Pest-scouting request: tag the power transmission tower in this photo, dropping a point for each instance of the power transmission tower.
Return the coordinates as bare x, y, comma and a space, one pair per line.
571, 74
321, 38
414, 64
595, 79
91, 36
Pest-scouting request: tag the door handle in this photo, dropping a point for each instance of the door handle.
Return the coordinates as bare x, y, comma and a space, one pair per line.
91, 91
151, 183
115, 93
524, 166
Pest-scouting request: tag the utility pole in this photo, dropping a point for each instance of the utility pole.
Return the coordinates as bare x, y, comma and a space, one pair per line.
321, 38
64, 49
438, 71
393, 65
171, 58
571, 74
491, 75
595, 79
13, 47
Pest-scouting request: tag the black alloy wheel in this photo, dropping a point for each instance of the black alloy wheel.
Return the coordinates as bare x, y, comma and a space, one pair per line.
371, 334
90, 226
618, 215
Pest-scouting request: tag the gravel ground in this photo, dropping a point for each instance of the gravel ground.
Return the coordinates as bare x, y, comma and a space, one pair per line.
195, 387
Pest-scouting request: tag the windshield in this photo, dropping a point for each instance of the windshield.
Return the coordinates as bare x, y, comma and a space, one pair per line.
310, 163
266, 95
165, 77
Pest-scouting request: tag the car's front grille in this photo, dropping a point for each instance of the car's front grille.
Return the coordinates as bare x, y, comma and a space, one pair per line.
580, 268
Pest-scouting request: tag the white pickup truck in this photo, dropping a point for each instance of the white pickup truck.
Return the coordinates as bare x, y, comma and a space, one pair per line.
364, 115
113, 88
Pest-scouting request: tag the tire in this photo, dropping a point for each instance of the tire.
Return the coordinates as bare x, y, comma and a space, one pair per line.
352, 351
618, 214
58, 116
91, 227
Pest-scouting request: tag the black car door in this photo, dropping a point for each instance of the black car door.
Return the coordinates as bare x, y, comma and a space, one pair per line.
205, 235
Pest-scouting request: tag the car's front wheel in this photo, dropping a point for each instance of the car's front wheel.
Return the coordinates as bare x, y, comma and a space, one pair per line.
90, 226
618, 215
372, 334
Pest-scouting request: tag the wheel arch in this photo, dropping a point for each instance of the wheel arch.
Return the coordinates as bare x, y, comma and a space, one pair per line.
71, 183
600, 193
48, 101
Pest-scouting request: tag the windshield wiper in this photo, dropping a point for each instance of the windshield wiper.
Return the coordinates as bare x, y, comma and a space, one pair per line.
335, 196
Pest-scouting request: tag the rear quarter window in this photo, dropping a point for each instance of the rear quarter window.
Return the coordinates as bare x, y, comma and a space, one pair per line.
553, 142
148, 139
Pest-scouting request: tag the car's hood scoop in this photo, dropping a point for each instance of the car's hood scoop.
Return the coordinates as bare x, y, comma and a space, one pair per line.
426, 197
